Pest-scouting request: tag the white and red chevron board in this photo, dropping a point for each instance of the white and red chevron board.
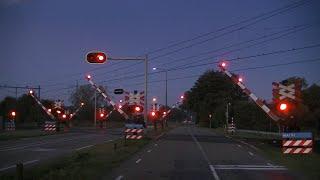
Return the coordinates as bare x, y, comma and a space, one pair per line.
297, 143
50, 126
297, 150
257, 100
107, 98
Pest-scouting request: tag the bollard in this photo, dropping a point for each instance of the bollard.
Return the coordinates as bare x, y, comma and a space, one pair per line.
19, 168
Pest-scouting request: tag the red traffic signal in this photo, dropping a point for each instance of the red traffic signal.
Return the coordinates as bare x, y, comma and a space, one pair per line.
96, 57
101, 115
153, 113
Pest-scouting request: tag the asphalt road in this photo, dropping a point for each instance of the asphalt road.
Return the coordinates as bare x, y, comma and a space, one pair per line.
35, 150
194, 153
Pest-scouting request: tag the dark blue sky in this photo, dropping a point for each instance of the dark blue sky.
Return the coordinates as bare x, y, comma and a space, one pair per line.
44, 42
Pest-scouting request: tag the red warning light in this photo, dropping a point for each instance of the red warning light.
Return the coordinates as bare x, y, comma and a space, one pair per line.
96, 57
283, 106
153, 113
13, 113
88, 77
137, 108
101, 115
64, 116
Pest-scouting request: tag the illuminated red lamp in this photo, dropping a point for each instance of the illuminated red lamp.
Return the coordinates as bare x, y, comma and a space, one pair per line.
64, 116
240, 79
137, 109
164, 113
49, 110
13, 114
30, 92
101, 115
96, 57
153, 113
88, 77
181, 97
283, 106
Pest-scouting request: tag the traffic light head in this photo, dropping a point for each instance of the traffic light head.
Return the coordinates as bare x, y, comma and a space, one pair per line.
64, 116
96, 57
101, 115
153, 113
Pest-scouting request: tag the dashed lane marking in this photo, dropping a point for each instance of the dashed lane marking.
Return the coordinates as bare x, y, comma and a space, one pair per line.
239, 145
84, 147
137, 161
119, 177
149, 150
251, 154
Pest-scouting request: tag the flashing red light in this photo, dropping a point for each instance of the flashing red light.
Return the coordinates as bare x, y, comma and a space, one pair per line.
30, 92
13, 113
164, 113
181, 97
64, 116
137, 108
58, 111
49, 110
240, 79
96, 57
120, 106
283, 106
153, 113
101, 115
88, 76
82, 104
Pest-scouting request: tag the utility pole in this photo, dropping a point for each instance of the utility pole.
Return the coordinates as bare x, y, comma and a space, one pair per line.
146, 89
95, 108
166, 89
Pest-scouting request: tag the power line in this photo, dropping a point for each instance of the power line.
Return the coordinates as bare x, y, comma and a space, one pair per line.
281, 10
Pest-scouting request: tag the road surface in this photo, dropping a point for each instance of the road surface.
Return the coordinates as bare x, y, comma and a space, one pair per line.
189, 152
35, 150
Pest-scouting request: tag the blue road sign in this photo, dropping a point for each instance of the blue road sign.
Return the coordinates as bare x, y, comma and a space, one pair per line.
132, 126
297, 135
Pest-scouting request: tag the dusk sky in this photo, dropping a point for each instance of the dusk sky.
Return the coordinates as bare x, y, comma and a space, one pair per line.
45, 42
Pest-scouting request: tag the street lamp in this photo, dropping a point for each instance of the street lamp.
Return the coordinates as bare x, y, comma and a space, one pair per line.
166, 73
154, 99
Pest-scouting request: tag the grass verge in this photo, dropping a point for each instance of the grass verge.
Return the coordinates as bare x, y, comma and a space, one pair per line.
270, 148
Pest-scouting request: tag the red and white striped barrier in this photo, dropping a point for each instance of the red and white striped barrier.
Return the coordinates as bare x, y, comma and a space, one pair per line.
297, 150
257, 100
133, 133
107, 98
41, 105
134, 136
297, 143
50, 126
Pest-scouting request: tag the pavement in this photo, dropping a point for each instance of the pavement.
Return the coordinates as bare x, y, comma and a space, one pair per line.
189, 152
31, 151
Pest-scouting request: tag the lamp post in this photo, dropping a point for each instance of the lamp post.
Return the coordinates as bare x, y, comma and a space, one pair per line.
166, 74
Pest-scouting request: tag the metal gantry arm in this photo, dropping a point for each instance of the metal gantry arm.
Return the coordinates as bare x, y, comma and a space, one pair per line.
107, 98
41, 105
257, 100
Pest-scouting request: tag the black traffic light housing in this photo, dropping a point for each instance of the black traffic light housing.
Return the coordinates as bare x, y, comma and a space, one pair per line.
96, 57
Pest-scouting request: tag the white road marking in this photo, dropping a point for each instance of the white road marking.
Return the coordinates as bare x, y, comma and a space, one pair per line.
137, 161
119, 177
250, 153
42, 143
239, 145
213, 171
249, 167
24, 163
84, 147
155, 144
269, 164
149, 150
252, 146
